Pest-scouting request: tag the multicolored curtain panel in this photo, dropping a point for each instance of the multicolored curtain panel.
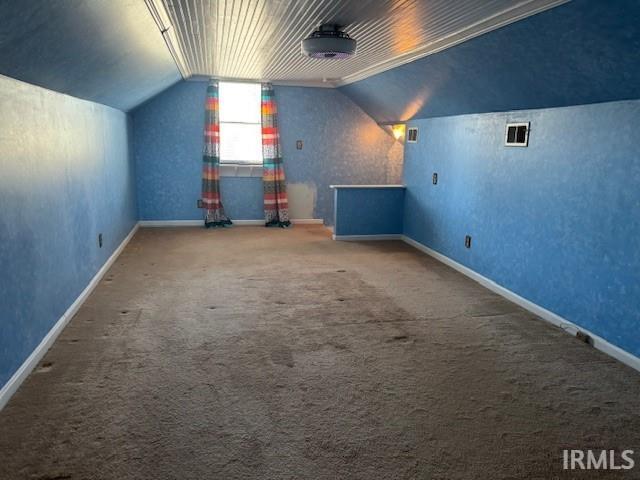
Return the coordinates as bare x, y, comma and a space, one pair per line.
276, 206
211, 201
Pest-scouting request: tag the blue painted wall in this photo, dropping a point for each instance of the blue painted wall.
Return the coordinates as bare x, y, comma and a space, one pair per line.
585, 51
557, 223
66, 176
341, 145
368, 211
167, 144
105, 51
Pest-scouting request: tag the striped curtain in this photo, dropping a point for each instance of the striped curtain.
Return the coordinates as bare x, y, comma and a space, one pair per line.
211, 202
276, 207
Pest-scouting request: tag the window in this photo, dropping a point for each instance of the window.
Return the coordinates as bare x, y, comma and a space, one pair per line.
517, 135
240, 124
412, 135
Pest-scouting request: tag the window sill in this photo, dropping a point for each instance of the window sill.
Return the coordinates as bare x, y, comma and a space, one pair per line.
239, 170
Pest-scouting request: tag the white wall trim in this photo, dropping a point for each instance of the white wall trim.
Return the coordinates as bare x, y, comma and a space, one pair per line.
514, 13
246, 223
238, 223
308, 221
241, 170
366, 186
367, 238
284, 83
32, 361
170, 223
569, 327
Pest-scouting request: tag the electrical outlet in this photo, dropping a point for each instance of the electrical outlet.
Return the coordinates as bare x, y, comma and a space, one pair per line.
100, 240
435, 179
299, 145
467, 241
200, 203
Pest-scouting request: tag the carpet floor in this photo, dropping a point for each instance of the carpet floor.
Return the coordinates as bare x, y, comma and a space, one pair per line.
253, 353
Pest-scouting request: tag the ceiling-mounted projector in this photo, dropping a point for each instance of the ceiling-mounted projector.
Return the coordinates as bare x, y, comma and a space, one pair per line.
328, 41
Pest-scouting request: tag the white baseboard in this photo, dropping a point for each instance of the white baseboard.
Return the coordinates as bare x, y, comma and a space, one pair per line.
237, 223
569, 327
32, 361
247, 223
307, 221
366, 238
170, 223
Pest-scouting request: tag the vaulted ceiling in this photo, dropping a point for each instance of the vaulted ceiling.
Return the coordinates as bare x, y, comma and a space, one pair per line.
260, 39
122, 52
415, 58
585, 51
107, 51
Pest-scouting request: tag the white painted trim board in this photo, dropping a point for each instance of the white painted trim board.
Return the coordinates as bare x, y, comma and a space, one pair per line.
366, 238
237, 223
307, 221
32, 360
365, 186
170, 223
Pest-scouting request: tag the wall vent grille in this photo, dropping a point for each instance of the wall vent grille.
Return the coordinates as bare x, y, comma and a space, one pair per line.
517, 135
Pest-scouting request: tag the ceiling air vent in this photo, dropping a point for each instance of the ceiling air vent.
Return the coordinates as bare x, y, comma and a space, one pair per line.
328, 41
517, 135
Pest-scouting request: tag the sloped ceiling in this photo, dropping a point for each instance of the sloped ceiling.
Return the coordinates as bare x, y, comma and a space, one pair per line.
112, 51
260, 39
106, 51
585, 51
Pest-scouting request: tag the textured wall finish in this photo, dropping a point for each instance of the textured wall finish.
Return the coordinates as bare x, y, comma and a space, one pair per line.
302, 199
106, 51
66, 176
557, 222
341, 145
585, 51
368, 210
395, 159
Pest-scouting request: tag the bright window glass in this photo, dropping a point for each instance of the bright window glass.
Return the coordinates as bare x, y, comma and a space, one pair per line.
240, 127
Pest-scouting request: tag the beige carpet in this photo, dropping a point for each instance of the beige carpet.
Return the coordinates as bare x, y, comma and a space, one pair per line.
253, 353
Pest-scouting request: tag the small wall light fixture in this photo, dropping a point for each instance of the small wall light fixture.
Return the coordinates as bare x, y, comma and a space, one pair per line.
398, 131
